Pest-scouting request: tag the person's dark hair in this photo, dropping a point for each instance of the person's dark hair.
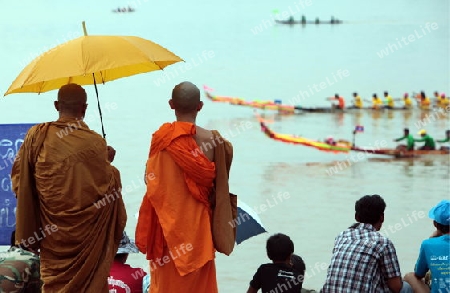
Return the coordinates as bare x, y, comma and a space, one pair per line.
406, 130
444, 229
279, 247
122, 257
369, 209
298, 264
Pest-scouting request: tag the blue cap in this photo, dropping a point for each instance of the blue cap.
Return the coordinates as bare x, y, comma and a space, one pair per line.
127, 245
441, 213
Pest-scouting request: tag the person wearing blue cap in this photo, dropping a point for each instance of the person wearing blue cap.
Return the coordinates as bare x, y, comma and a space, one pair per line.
122, 277
434, 254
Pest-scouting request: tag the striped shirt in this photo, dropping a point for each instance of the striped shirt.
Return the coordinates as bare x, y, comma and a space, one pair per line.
362, 261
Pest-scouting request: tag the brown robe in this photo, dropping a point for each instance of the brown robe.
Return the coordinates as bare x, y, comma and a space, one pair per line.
69, 205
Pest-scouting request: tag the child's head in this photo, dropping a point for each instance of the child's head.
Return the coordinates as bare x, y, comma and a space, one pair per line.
279, 247
298, 264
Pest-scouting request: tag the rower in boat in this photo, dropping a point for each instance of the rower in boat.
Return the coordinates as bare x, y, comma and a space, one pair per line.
445, 140
357, 102
303, 19
424, 101
443, 102
376, 102
409, 141
330, 140
407, 102
437, 97
340, 100
389, 101
429, 141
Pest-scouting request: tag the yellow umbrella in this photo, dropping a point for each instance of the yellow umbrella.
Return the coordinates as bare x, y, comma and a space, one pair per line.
91, 59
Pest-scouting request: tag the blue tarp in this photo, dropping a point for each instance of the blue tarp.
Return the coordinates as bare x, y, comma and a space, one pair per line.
11, 138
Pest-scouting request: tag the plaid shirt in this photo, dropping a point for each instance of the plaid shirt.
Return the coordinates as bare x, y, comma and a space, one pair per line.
362, 261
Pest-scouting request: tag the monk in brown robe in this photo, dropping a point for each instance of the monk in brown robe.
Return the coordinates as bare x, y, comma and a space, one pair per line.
174, 224
69, 205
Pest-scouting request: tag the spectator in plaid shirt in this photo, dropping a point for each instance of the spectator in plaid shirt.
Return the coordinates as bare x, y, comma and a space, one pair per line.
364, 260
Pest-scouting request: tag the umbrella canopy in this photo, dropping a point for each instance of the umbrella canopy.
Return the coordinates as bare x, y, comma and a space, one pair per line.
248, 223
105, 58
91, 59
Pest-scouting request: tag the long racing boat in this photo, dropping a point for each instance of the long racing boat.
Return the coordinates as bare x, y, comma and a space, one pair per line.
277, 105
344, 146
354, 109
339, 147
263, 105
400, 153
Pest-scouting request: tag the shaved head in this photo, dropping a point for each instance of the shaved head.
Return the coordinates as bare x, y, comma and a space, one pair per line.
185, 97
71, 99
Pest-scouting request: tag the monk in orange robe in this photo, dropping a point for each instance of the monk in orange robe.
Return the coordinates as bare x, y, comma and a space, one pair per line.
69, 205
174, 224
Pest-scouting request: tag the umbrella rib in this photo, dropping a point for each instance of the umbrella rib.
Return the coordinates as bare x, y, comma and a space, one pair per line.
154, 62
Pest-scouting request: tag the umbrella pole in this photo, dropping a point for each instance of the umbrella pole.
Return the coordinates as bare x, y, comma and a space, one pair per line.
99, 109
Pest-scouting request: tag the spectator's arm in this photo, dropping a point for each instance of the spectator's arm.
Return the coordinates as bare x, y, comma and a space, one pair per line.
395, 284
390, 268
421, 268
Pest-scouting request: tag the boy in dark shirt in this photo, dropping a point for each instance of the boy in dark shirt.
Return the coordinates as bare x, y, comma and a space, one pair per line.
285, 273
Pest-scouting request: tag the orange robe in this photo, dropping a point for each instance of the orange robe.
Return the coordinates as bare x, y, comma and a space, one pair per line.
174, 228
69, 205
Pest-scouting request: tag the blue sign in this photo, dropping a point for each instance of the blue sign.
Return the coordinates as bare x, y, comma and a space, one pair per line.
11, 138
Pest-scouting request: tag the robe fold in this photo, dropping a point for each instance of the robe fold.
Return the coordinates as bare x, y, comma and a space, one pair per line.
69, 202
174, 228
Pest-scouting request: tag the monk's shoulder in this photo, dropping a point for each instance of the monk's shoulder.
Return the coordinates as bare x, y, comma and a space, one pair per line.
203, 134
35, 129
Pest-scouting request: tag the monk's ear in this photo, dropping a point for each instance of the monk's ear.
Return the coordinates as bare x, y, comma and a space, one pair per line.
171, 104
56, 105
200, 106
83, 110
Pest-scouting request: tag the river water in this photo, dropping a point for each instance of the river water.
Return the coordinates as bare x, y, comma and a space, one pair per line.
236, 48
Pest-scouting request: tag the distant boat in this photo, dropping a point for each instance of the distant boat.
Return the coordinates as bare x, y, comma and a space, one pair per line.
123, 10
304, 21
